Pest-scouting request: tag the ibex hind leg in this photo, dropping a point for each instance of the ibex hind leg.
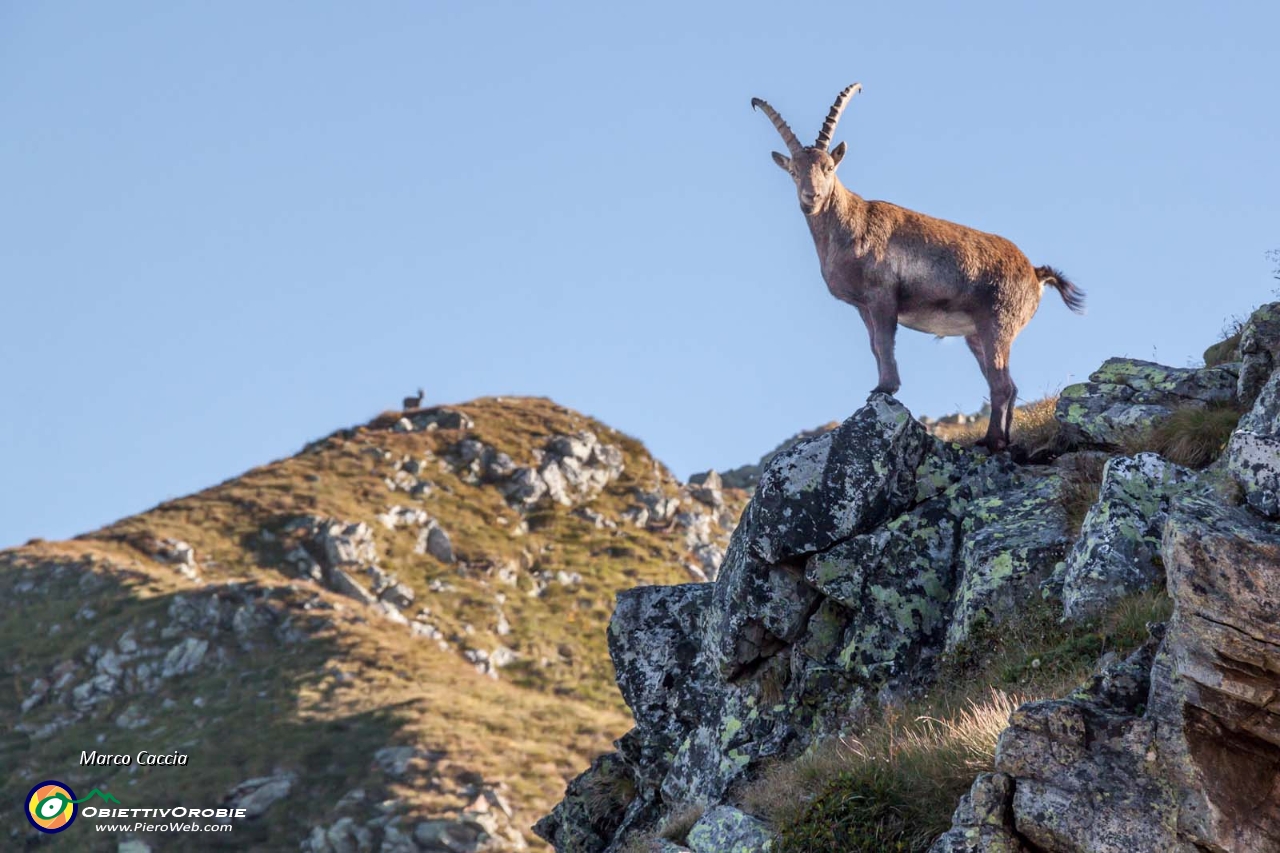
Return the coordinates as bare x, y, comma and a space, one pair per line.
993, 359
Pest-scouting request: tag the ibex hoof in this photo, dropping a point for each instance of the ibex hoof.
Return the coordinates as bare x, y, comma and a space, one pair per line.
886, 389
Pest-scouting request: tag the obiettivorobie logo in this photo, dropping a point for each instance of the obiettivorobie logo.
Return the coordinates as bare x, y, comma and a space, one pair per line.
51, 805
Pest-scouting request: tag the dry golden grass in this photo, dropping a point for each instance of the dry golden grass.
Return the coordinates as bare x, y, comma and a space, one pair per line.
1035, 429
895, 784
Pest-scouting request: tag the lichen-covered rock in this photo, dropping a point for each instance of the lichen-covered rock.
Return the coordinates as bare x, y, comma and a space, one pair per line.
1259, 351
1125, 396
725, 829
946, 464
1118, 550
895, 583
654, 640
1012, 541
757, 608
1253, 454
836, 485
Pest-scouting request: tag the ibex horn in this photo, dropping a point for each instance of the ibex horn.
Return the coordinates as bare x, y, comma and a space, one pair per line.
829, 126
793, 144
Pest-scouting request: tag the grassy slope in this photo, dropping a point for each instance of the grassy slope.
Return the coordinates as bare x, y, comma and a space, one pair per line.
322, 707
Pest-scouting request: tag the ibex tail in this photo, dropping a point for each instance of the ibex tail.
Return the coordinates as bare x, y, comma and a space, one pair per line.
1072, 295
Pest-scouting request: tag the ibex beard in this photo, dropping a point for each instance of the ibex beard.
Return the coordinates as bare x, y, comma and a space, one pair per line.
897, 266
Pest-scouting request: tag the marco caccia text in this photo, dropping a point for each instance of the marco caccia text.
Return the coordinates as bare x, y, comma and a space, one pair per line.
142, 759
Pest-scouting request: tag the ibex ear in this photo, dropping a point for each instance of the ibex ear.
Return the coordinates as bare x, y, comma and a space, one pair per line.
837, 153
783, 162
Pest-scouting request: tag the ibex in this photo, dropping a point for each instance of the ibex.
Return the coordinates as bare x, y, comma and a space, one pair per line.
413, 402
898, 266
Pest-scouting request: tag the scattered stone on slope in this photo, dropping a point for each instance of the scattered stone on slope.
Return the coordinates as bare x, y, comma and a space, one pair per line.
1259, 352
572, 469
181, 556
185, 657
440, 417
1118, 549
255, 796
1253, 454
435, 541
1126, 396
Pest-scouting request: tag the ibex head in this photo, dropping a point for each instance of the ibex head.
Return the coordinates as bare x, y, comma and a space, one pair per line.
812, 168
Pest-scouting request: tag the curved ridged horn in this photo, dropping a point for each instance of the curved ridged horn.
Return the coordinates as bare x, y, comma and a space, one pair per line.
793, 144
829, 126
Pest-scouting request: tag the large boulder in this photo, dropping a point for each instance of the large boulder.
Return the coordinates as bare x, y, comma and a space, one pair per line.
1215, 692
836, 485
1126, 396
1118, 550
1084, 770
1011, 543
1253, 454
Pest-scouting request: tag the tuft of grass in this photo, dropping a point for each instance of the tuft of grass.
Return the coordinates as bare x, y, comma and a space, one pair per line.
895, 785
677, 825
1193, 436
1081, 483
1226, 350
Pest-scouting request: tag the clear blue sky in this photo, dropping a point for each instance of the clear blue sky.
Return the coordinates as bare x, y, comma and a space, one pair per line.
230, 228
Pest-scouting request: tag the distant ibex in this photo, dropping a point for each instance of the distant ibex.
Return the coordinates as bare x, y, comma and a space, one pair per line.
413, 402
898, 266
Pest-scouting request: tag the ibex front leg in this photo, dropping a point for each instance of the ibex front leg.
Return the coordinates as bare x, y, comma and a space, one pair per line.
882, 327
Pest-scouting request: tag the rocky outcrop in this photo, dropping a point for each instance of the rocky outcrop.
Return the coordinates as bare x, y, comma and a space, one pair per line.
1125, 397
868, 551
837, 592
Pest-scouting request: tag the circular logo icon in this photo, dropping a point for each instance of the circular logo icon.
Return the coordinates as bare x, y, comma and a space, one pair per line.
51, 806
